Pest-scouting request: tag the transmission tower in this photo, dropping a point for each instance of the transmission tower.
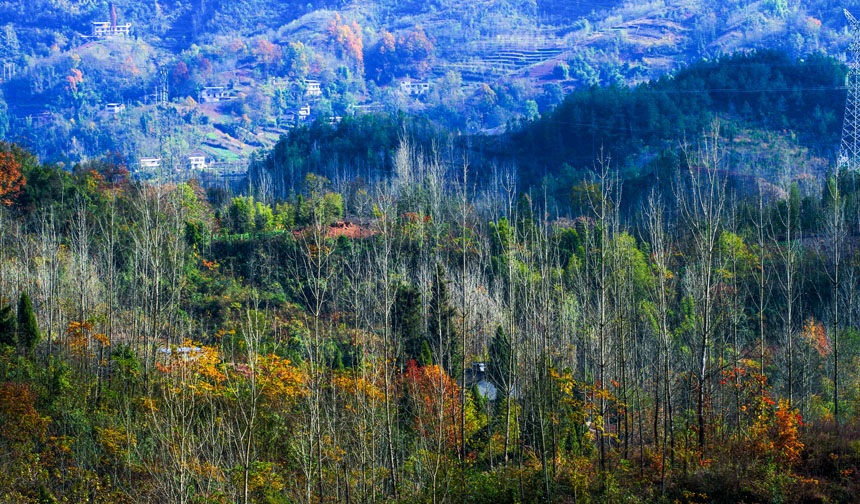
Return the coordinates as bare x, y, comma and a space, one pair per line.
849, 151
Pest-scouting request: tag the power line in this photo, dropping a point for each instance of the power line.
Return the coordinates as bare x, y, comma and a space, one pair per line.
849, 151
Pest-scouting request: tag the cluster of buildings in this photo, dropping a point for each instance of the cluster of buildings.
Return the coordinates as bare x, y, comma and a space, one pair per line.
195, 161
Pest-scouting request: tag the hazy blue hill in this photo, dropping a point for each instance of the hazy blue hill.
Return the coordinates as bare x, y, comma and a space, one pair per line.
491, 63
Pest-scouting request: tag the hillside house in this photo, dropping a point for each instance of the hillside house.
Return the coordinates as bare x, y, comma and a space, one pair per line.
314, 88
114, 108
214, 94
304, 112
107, 29
149, 163
411, 87
197, 161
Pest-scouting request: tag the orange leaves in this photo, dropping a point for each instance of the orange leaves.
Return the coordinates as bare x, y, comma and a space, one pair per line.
74, 78
775, 433
773, 430
348, 36
11, 180
281, 381
786, 436
211, 265
197, 368
434, 395
266, 52
815, 334
80, 338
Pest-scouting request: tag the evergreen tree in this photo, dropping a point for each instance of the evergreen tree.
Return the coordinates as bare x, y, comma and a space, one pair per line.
426, 357
407, 321
28, 329
440, 327
7, 326
500, 360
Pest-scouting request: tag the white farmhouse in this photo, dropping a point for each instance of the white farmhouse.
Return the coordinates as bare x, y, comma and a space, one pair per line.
314, 88
107, 29
214, 94
197, 161
411, 87
149, 163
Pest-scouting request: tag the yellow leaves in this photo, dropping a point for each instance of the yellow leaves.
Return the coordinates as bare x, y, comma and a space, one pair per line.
355, 385
115, 441
281, 381
80, 337
148, 404
18, 415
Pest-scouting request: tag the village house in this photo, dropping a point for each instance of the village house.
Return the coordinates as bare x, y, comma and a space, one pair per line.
107, 29
114, 108
314, 88
149, 163
214, 94
411, 87
197, 161
304, 112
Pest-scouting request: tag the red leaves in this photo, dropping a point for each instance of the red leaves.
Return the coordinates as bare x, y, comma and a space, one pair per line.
180, 73
12, 182
435, 396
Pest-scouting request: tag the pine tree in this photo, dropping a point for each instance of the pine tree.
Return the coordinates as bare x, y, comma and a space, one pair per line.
500, 360
28, 329
7, 326
440, 326
426, 357
407, 321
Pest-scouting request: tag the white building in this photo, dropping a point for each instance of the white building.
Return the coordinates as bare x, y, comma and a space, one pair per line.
314, 88
105, 29
197, 161
304, 112
114, 108
214, 94
149, 163
411, 87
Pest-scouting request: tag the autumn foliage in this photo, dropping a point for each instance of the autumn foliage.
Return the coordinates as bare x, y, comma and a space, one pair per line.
12, 181
348, 39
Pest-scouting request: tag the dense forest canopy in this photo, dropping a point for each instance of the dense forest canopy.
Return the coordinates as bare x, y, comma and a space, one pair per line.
384, 316
493, 251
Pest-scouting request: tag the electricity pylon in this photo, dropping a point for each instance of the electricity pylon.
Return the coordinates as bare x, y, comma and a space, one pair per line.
849, 151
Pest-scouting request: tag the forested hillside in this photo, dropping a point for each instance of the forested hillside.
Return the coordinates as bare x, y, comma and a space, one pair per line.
487, 64
415, 252
430, 332
771, 109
